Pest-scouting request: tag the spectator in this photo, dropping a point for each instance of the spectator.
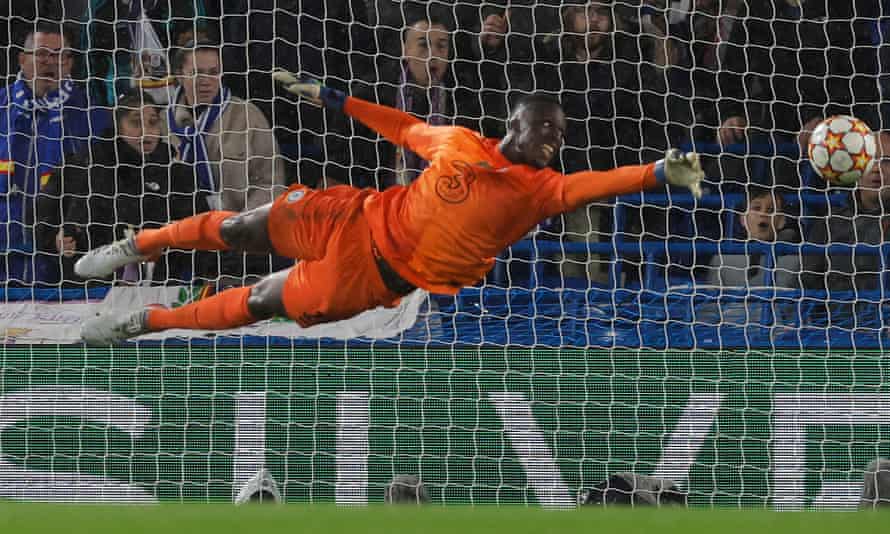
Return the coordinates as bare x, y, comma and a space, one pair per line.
230, 143
699, 39
44, 117
326, 39
599, 64
229, 140
865, 219
17, 19
502, 46
115, 185
762, 220
420, 82
149, 69
759, 70
111, 32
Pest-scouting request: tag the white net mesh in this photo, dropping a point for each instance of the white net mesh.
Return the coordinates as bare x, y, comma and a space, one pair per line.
650, 333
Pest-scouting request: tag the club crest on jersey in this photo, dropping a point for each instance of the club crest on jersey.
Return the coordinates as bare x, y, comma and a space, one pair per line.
455, 188
294, 196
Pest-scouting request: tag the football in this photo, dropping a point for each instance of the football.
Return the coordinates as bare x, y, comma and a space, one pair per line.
842, 149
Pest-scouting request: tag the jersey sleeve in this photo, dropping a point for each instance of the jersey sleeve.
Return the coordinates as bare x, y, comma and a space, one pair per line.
566, 192
399, 127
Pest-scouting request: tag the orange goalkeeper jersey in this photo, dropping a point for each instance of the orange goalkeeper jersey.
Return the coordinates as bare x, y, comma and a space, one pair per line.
442, 231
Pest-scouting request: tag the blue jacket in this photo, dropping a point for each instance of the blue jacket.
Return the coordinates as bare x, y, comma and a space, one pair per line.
35, 136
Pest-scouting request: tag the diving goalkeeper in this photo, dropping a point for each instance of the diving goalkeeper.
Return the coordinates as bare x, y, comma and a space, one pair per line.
360, 248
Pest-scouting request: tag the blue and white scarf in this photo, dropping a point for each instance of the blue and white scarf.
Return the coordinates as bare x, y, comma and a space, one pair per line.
24, 103
22, 113
192, 145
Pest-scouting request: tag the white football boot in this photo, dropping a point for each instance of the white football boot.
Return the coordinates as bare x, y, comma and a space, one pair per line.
101, 262
108, 329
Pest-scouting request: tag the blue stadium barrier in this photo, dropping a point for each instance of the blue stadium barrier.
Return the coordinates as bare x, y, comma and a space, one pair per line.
727, 202
620, 246
723, 246
682, 318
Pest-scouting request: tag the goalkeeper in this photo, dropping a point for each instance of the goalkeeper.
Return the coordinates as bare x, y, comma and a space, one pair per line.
361, 249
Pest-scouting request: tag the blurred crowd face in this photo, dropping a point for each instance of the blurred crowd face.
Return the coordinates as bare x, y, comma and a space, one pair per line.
141, 129
594, 22
425, 51
878, 180
44, 62
201, 77
763, 218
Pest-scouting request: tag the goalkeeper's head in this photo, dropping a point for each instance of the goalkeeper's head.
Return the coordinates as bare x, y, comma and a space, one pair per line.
535, 131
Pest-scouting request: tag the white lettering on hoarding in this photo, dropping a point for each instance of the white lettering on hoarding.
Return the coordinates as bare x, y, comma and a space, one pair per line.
684, 443
249, 455
353, 420
792, 414
116, 411
531, 448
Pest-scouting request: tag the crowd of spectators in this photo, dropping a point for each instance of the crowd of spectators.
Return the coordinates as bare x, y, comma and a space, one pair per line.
124, 115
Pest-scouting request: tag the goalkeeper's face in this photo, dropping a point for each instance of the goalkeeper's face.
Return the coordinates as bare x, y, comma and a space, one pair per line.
537, 131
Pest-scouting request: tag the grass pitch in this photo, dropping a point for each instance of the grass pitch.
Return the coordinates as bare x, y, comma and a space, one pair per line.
23, 518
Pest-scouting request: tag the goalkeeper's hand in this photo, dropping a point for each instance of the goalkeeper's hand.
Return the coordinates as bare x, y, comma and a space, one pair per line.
684, 169
310, 89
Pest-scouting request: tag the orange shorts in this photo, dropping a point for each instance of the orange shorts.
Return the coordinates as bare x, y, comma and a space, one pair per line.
337, 276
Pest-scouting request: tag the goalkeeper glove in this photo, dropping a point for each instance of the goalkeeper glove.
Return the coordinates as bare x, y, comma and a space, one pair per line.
681, 169
310, 89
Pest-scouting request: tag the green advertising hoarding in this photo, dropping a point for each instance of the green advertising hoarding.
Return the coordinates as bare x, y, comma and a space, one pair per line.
782, 430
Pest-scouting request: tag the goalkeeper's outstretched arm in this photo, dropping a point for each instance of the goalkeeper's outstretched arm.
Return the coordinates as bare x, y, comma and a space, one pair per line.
398, 127
581, 188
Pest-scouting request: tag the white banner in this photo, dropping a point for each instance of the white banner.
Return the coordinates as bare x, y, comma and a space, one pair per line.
54, 322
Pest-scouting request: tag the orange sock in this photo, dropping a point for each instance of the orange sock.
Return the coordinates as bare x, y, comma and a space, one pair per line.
224, 310
200, 232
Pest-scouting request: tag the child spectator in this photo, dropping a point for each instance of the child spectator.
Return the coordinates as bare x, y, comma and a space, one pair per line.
44, 117
762, 220
131, 182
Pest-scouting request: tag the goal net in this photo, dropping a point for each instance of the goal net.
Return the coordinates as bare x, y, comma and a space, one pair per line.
732, 344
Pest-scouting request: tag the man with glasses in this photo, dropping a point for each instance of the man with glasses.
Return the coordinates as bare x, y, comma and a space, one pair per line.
44, 117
